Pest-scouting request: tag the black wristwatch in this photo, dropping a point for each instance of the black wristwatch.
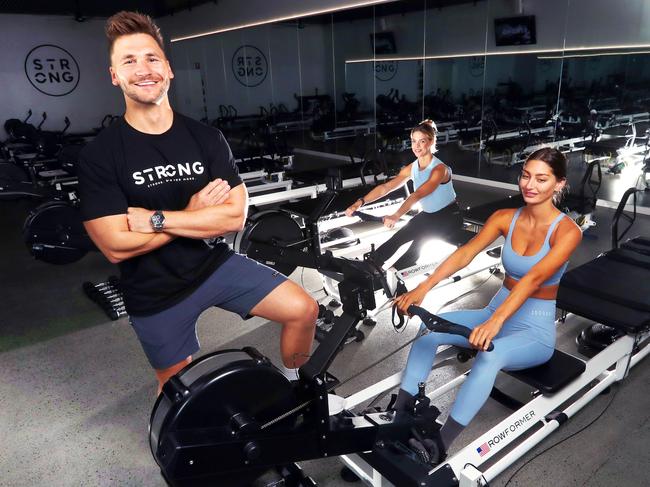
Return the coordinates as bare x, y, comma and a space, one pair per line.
157, 221
363, 202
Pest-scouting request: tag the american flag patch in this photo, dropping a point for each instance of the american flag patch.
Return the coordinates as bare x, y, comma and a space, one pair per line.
483, 450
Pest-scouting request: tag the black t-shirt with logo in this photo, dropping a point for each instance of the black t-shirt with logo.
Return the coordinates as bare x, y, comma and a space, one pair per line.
122, 167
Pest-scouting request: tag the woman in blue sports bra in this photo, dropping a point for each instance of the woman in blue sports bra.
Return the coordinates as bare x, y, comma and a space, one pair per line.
440, 215
520, 318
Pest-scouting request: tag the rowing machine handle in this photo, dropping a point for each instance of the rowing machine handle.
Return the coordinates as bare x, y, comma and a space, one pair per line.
367, 217
435, 323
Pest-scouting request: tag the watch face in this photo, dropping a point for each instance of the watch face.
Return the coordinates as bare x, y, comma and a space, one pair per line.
157, 220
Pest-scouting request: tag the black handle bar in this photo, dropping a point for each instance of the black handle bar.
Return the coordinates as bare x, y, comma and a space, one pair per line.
367, 217
435, 323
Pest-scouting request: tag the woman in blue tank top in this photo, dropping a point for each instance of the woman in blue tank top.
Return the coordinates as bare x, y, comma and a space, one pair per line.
520, 318
440, 215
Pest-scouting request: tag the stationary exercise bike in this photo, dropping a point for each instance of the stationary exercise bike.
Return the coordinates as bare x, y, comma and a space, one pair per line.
230, 417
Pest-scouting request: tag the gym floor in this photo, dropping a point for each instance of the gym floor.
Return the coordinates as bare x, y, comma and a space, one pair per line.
77, 391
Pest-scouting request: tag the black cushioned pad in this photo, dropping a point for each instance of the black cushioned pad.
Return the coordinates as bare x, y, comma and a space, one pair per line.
612, 280
478, 215
631, 257
553, 375
641, 241
638, 244
606, 312
605, 146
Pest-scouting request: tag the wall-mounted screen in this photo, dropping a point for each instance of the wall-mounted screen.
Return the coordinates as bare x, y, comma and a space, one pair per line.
515, 31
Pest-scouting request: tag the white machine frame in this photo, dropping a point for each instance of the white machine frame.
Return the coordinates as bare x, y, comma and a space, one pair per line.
413, 274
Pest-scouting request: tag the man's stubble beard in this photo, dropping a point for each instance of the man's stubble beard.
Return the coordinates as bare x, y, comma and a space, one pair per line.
132, 93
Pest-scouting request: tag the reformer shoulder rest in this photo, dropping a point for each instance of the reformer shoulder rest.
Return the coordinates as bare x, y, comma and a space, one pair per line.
638, 244
609, 290
616, 276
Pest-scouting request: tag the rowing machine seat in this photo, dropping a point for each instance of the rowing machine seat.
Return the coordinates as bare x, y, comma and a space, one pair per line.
553, 375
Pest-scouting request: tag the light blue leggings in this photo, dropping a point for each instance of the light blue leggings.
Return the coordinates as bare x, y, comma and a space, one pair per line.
526, 339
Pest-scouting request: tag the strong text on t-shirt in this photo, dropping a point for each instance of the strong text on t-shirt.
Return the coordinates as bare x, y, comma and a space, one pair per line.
168, 173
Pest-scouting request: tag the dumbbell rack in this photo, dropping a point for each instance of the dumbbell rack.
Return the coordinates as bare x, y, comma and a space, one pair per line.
108, 295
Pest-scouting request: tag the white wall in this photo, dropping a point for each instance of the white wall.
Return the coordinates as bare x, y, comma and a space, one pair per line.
94, 95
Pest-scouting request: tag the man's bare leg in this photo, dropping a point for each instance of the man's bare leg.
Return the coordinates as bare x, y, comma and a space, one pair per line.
289, 305
297, 312
163, 375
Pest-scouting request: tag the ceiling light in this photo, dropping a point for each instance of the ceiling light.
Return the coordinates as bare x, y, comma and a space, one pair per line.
504, 53
281, 19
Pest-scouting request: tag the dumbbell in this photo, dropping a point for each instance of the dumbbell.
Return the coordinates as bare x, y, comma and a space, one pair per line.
111, 283
115, 282
98, 291
99, 298
119, 307
115, 301
91, 288
114, 314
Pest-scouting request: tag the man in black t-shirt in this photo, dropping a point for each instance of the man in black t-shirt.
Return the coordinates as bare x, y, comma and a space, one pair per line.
153, 186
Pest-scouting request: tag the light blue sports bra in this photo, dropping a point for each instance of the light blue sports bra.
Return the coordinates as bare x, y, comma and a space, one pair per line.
442, 196
517, 266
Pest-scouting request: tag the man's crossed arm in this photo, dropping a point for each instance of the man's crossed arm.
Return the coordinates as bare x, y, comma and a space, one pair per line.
215, 210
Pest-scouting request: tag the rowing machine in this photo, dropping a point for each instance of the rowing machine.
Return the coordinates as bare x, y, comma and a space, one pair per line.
230, 416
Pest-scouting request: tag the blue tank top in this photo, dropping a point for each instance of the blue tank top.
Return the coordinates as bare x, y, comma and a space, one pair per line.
442, 196
517, 266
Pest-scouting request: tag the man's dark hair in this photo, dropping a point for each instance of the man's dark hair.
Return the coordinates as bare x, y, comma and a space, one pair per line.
126, 23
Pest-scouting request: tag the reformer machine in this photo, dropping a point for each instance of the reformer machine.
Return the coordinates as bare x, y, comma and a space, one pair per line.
230, 416
560, 387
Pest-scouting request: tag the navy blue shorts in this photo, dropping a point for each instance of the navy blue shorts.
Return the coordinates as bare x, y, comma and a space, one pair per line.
237, 285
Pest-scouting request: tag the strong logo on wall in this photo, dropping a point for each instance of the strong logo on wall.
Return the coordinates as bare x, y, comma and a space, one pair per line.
52, 70
385, 70
249, 66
